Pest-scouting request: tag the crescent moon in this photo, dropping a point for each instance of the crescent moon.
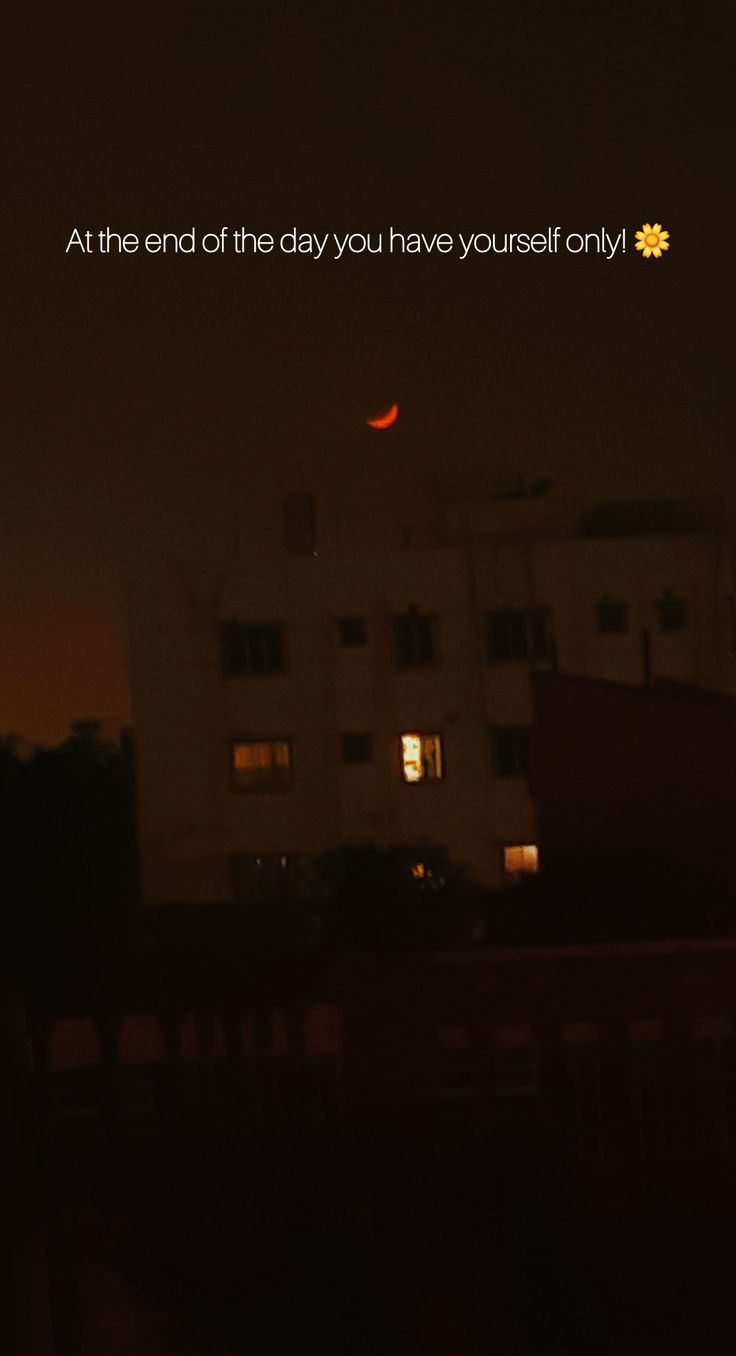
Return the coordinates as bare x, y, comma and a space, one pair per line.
384, 420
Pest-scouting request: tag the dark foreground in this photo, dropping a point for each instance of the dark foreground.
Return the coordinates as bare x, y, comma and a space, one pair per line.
496, 1156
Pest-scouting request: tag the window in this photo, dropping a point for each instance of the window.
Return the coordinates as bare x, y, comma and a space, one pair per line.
247, 650
352, 631
267, 875
356, 748
520, 859
300, 522
421, 757
510, 750
261, 765
415, 639
671, 612
612, 618
427, 875
517, 633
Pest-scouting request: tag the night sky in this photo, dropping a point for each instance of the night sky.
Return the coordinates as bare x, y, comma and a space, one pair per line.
142, 386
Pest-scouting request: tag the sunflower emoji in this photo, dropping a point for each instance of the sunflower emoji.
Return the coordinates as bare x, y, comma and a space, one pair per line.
652, 240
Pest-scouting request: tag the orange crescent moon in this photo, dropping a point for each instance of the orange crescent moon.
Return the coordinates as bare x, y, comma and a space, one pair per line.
384, 420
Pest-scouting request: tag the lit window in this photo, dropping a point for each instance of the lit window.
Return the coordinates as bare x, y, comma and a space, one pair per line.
521, 859
671, 612
415, 639
352, 631
510, 750
516, 634
421, 757
612, 617
356, 748
263, 764
426, 877
247, 650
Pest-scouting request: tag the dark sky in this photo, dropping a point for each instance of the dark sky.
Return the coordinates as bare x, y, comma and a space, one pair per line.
141, 386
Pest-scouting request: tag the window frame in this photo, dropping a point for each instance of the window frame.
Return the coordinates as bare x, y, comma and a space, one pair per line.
612, 603
268, 787
232, 675
352, 644
510, 847
415, 614
525, 732
244, 864
530, 618
669, 598
422, 735
356, 734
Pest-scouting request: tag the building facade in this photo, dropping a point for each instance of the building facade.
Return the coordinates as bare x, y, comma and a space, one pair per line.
638, 778
361, 673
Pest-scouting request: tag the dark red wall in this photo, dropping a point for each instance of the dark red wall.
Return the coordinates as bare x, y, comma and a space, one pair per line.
646, 772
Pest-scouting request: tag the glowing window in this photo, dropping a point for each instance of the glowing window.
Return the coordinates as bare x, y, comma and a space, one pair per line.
262, 764
426, 877
421, 757
521, 859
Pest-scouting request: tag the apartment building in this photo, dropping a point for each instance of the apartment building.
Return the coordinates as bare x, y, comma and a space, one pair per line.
345, 674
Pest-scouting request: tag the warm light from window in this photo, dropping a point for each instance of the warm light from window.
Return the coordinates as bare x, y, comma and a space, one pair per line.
249, 757
521, 859
261, 763
411, 757
421, 757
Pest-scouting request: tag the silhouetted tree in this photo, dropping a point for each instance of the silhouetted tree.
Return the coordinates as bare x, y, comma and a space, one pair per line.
404, 894
70, 862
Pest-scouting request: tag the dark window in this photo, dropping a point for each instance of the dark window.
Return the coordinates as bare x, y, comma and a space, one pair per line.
261, 764
251, 650
671, 612
267, 875
517, 633
612, 618
508, 635
356, 748
352, 631
510, 745
415, 639
300, 522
